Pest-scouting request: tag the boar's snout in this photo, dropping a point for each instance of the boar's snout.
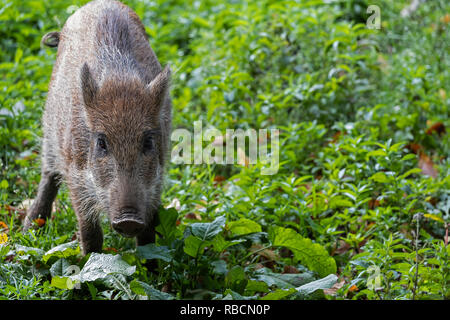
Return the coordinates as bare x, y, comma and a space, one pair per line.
128, 223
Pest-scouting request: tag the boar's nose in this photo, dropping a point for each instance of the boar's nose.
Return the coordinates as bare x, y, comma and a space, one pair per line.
128, 223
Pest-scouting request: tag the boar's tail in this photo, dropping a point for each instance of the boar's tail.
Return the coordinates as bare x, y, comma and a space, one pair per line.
50, 39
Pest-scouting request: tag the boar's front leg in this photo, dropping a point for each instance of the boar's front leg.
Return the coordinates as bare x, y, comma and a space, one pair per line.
42, 204
90, 232
91, 235
147, 236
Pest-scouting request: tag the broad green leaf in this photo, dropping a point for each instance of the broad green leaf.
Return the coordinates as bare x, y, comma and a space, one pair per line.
193, 246
244, 226
282, 280
279, 294
257, 286
219, 267
59, 282
410, 172
142, 288
236, 279
62, 251
220, 244
119, 282
59, 268
167, 223
100, 265
324, 283
312, 255
233, 295
207, 231
21, 250
153, 251
339, 201
380, 177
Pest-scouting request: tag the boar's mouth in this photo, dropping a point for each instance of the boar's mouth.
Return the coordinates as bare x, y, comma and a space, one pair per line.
128, 223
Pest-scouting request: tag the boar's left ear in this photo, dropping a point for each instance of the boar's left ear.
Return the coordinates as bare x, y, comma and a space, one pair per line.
88, 85
159, 86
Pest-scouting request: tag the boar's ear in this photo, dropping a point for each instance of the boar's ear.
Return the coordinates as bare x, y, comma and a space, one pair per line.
88, 85
159, 86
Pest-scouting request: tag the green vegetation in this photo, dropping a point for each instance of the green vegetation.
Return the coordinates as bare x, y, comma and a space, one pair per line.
359, 208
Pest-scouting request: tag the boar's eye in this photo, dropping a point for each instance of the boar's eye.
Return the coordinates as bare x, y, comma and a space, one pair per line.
101, 147
149, 144
149, 141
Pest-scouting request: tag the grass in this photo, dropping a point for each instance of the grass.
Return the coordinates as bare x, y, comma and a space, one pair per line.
361, 198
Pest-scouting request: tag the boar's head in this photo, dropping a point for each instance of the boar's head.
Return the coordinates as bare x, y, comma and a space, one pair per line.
126, 150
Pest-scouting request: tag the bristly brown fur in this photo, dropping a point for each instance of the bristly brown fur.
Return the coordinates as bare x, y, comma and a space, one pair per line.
106, 124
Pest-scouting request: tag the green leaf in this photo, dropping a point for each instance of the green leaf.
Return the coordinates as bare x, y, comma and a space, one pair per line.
193, 246
19, 55
279, 294
4, 184
236, 279
23, 250
92, 290
59, 282
100, 265
220, 244
233, 295
311, 255
339, 201
282, 280
153, 251
207, 231
119, 282
380, 177
142, 288
257, 286
59, 268
324, 283
219, 267
62, 251
167, 223
410, 172
244, 226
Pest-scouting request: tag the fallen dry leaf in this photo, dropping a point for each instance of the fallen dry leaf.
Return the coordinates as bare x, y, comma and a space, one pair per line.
437, 127
353, 288
3, 226
266, 253
414, 147
445, 19
290, 269
342, 248
373, 203
40, 222
219, 179
427, 166
332, 291
20, 213
193, 216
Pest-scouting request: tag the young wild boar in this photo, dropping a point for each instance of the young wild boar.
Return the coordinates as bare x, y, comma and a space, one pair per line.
106, 125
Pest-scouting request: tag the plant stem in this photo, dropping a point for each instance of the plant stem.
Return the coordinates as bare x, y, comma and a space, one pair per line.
416, 276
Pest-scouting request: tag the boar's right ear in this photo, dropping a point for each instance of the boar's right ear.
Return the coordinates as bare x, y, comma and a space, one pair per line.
159, 86
88, 85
